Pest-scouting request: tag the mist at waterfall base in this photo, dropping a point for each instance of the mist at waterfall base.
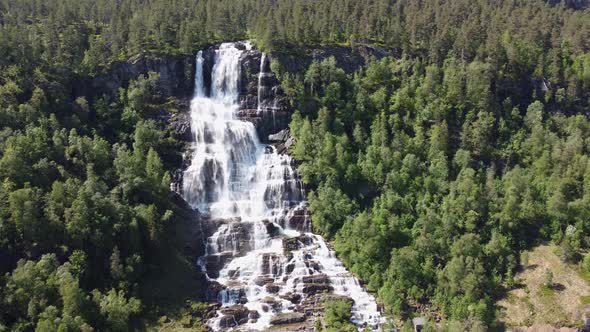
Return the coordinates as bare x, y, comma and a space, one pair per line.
254, 190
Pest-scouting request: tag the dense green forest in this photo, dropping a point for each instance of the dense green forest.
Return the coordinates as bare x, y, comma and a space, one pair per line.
431, 169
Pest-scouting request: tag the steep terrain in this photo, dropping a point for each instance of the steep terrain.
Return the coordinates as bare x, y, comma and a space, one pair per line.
265, 267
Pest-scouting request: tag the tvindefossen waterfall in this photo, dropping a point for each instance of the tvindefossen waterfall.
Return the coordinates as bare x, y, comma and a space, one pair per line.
269, 267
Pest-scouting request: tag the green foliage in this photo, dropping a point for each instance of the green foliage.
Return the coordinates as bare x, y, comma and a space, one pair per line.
337, 316
548, 279
87, 211
116, 308
433, 173
586, 263
330, 207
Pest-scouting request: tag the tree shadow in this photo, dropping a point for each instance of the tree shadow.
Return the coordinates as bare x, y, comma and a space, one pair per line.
557, 287
174, 284
518, 285
522, 268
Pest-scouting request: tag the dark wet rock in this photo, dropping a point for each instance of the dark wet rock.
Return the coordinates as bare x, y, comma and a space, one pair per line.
212, 310
180, 126
289, 268
287, 318
261, 99
208, 62
270, 264
272, 229
273, 288
281, 136
240, 45
233, 316
313, 265
272, 303
253, 314
236, 238
292, 297
299, 220
214, 263
213, 290
316, 288
316, 279
235, 292
297, 242
261, 281
281, 149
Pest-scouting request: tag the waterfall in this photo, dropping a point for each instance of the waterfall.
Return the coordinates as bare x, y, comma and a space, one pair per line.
261, 250
199, 84
260, 86
263, 92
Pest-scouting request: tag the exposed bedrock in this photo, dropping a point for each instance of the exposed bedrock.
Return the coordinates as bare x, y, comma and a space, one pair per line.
260, 98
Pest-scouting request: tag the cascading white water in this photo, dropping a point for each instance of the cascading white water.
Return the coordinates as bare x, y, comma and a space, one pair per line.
260, 86
255, 190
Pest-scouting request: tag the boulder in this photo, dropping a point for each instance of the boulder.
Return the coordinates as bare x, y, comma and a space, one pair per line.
289, 268
292, 297
272, 229
271, 302
297, 242
316, 288
273, 288
313, 265
233, 315
316, 279
287, 318
253, 314
262, 280
213, 290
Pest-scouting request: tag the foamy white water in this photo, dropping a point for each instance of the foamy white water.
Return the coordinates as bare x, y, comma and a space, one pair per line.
256, 191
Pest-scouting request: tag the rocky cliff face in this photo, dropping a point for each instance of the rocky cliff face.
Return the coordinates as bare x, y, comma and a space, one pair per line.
176, 76
261, 99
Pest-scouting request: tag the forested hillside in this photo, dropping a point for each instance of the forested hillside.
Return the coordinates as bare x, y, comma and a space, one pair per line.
431, 169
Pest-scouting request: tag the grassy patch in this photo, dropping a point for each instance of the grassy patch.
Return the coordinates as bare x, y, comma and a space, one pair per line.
533, 303
511, 298
584, 274
546, 291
